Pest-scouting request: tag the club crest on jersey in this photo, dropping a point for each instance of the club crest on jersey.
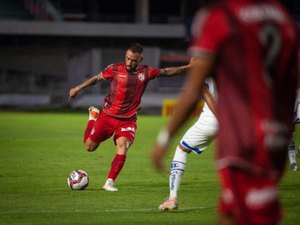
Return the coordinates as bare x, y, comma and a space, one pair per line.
141, 76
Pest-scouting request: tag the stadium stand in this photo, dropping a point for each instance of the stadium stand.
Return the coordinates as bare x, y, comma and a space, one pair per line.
13, 9
49, 45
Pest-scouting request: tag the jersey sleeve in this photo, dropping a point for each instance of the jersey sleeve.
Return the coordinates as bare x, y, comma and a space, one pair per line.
210, 28
107, 73
153, 72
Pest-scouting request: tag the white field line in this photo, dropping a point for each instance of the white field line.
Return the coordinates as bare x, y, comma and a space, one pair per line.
96, 211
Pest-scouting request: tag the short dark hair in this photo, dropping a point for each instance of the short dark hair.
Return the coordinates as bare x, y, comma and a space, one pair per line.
136, 47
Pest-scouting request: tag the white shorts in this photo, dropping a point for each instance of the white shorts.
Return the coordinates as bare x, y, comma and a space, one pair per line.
201, 134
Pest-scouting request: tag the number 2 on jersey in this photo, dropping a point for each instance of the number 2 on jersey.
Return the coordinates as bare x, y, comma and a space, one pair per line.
271, 41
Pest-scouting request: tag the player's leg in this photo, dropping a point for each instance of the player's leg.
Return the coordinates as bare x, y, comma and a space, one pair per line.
177, 170
90, 146
124, 137
176, 173
117, 164
100, 127
93, 116
196, 139
292, 154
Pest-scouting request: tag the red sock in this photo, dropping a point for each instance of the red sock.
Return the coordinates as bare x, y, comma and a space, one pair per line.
88, 129
116, 166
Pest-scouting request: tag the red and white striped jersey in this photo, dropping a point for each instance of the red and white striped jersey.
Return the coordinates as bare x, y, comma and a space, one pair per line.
255, 47
126, 89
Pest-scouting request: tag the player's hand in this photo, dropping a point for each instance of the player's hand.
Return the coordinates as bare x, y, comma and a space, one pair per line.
73, 92
157, 154
160, 149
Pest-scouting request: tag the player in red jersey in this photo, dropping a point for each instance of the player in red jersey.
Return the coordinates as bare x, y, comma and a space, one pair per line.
127, 84
252, 48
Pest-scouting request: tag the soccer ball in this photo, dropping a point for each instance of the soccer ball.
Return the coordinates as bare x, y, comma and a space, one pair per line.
78, 180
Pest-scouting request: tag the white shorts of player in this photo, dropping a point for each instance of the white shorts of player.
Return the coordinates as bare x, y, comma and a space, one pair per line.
201, 134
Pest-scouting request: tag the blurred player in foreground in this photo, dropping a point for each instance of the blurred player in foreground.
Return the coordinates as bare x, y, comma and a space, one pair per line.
252, 48
128, 81
196, 140
292, 144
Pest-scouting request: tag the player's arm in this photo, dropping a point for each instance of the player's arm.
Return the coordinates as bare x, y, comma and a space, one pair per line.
171, 71
90, 82
188, 99
209, 99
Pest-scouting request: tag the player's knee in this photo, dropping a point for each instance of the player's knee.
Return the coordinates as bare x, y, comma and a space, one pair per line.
182, 148
122, 145
123, 142
89, 149
90, 146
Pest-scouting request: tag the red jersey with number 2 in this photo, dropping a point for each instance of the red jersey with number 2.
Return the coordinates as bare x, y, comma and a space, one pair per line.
126, 89
255, 46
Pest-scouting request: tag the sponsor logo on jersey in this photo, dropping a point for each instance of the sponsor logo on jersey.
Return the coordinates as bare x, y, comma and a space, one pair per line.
123, 129
257, 198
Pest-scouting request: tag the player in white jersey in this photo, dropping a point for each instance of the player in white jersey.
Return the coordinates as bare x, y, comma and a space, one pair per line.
196, 140
291, 148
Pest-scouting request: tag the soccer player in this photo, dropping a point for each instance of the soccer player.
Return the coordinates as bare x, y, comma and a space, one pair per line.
128, 81
252, 48
196, 140
291, 147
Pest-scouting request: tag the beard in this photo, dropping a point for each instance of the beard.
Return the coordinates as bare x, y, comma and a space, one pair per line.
131, 68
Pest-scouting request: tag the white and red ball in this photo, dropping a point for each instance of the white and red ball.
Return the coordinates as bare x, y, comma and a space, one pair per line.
78, 180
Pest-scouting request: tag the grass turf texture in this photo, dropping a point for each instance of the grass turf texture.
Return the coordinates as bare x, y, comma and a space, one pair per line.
39, 150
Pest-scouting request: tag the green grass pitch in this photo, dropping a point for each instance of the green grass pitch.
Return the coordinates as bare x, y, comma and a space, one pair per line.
39, 150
